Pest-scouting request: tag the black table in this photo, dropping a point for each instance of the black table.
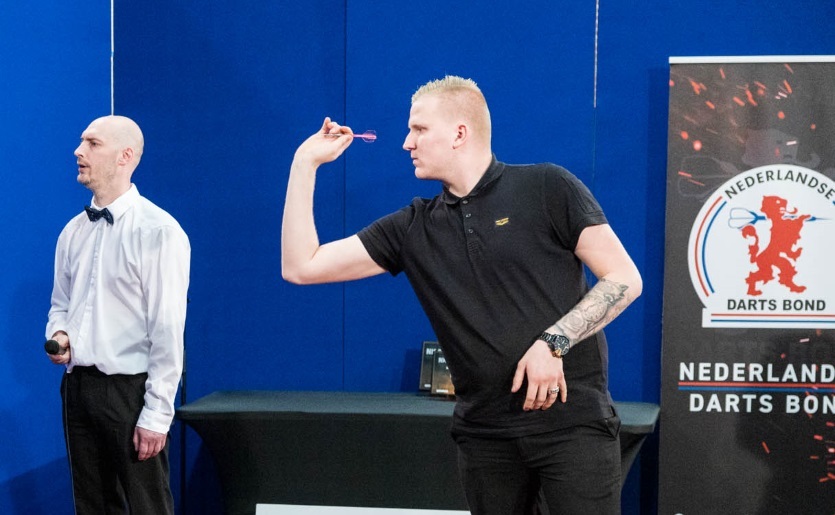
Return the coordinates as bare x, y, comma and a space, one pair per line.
347, 449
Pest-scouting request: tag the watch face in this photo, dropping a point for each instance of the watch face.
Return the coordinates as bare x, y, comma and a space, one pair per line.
558, 343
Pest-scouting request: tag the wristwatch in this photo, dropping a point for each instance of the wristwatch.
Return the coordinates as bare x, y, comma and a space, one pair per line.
558, 343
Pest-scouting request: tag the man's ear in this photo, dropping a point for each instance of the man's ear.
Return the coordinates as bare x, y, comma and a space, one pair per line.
126, 156
461, 135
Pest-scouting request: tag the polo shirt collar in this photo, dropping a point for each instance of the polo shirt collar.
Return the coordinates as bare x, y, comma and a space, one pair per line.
494, 171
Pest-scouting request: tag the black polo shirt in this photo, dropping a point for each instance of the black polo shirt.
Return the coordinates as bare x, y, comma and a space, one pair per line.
492, 270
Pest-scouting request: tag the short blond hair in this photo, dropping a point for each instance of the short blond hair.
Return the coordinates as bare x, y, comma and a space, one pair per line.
449, 84
462, 97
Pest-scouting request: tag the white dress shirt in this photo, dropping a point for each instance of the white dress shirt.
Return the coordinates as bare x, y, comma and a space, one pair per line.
120, 294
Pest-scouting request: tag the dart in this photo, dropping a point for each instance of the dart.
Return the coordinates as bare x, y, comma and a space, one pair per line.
369, 136
740, 217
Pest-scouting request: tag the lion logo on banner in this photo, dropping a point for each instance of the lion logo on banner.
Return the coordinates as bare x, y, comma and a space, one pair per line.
760, 248
780, 253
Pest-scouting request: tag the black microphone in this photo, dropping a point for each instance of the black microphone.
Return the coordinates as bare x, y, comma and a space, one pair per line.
53, 347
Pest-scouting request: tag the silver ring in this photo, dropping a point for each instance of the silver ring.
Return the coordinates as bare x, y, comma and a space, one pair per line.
553, 391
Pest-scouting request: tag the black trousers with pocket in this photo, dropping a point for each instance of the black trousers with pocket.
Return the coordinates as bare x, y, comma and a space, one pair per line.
100, 414
572, 471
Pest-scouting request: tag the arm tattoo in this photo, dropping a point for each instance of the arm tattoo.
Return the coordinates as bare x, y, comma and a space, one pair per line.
599, 307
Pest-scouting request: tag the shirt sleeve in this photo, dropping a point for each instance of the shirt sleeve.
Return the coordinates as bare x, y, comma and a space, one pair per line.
60, 301
570, 206
384, 238
166, 256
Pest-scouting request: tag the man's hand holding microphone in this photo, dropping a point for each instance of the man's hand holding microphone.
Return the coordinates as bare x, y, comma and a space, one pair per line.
58, 348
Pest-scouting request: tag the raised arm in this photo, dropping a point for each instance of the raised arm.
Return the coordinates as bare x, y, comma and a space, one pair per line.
303, 259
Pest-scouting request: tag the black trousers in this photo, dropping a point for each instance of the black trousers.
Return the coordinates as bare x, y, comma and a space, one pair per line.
100, 414
573, 471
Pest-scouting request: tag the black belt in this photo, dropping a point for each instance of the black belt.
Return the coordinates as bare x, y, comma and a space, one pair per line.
92, 370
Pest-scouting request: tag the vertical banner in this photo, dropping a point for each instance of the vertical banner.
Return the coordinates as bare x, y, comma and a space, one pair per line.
748, 373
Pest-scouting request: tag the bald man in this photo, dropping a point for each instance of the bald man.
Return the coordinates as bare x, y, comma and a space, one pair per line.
496, 260
118, 313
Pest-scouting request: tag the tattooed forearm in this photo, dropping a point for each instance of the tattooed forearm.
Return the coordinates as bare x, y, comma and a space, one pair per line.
600, 306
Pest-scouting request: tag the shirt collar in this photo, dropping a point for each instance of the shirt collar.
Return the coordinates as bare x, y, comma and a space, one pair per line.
493, 172
121, 205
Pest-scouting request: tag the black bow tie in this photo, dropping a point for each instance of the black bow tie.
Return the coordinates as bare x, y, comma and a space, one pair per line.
94, 214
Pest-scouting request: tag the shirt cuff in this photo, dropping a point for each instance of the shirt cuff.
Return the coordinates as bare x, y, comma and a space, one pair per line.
154, 421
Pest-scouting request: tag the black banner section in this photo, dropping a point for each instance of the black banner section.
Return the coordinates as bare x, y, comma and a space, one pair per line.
748, 373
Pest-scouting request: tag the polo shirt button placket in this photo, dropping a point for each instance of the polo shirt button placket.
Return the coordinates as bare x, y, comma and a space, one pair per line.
465, 202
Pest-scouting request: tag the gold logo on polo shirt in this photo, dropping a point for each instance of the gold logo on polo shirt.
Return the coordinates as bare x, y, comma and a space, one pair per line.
502, 221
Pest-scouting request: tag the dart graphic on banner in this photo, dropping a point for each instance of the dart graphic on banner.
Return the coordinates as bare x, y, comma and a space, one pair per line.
748, 373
